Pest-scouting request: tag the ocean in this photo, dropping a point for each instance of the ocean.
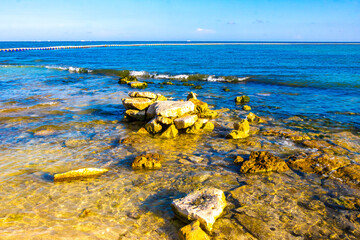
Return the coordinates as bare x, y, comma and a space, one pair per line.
62, 110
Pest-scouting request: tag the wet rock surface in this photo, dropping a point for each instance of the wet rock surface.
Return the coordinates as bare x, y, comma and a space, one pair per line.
263, 162
205, 205
147, 161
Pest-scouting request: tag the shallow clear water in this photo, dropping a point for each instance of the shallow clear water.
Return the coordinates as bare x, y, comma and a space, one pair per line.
54, 120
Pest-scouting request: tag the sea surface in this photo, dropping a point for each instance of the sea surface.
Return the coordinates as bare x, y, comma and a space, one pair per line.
62, 110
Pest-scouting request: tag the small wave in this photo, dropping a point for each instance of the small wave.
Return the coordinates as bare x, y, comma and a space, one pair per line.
70, 69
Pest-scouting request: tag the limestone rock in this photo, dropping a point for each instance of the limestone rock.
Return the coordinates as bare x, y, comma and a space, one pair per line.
185, 122
191, 95
349, 174
209, 114
252, 118
78, 174
140, 85
317, 162
246, 108
136, 114
236, 134
199, 105
147, 161
164, 120
196, 128
242, 99
205, 205
239, 160
193, 232
153, 126
142, 131
208, 126
242, 126
170, 132
127, 80
143, 95
136, 103
287, 133
160, 97
170, 109
262, 161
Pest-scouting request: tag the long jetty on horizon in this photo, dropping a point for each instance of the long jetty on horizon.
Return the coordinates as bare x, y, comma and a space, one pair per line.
172, 44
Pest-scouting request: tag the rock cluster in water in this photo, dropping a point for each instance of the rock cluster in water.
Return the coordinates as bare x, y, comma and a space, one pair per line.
166, 118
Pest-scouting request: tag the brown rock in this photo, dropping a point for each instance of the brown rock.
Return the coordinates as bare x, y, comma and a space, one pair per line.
147, 161
317, 162
262, 161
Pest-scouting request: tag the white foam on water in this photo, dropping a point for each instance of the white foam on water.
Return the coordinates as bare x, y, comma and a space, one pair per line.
212, 78
139, 73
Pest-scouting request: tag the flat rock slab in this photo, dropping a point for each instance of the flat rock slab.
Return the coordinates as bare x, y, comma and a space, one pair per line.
205, 205
143, 95
136, 103
171, 109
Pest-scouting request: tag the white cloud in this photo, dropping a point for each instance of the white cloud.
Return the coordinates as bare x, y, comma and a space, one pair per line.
231, 23
204, 30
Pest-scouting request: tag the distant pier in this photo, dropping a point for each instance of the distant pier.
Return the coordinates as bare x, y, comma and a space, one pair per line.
167, 44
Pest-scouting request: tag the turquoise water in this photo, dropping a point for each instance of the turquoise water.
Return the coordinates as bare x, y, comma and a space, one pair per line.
325, 77
58, 113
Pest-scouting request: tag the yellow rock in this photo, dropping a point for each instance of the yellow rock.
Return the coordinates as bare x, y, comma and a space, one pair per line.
236, 134
185, 122
153, 127
200, 105
252, 118
160, 97
242, 126
141, 85
193, 232
142, 131
143, 95
208, 126
136, 103
80, 173
170, 132
246, 108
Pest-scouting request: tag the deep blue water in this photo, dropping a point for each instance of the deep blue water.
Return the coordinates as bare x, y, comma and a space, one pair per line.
285, 80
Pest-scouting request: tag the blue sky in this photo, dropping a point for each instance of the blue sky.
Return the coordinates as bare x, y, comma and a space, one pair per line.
210, 20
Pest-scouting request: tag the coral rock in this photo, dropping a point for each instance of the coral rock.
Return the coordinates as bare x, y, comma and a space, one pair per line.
147, 161
263, 162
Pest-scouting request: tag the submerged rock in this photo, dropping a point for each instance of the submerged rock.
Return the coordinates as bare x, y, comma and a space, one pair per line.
193, 232
185, 122
242, 99
147, 161
295, 136
170, 109
78, 174
262, 161
137, 103
349, 174
316, 162
170, 132
205, 205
